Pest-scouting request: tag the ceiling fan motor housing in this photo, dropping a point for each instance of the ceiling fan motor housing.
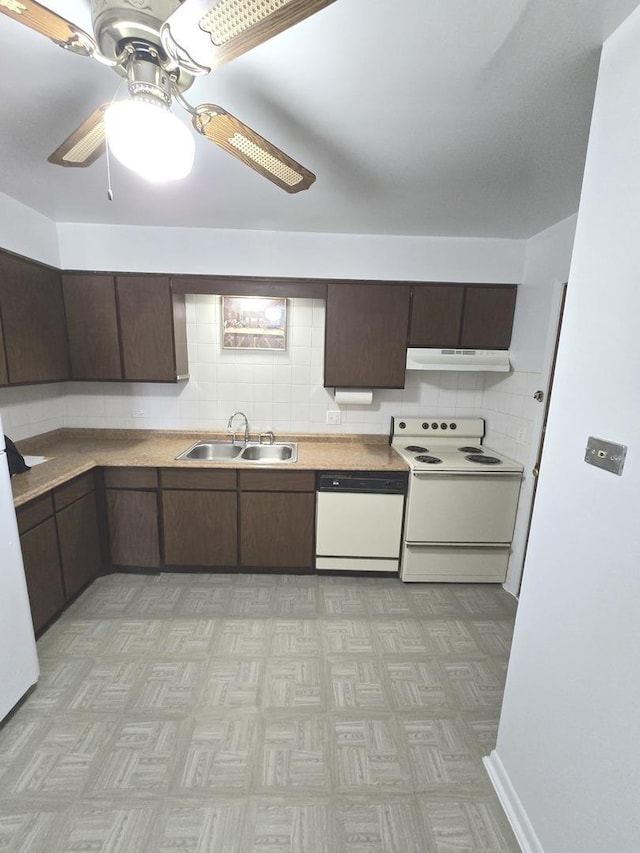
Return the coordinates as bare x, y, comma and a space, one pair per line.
117, 22
148, 81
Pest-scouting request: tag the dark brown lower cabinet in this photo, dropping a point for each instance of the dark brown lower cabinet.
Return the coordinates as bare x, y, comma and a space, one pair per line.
133, 528
79, 541
277, 529
277, 519
200, 528
43, 572
199, 517
60, 546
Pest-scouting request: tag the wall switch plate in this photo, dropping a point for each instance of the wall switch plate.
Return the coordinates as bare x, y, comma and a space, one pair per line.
334, 417
605, 454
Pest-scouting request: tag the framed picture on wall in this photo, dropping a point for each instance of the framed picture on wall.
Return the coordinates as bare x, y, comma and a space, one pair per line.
254, 322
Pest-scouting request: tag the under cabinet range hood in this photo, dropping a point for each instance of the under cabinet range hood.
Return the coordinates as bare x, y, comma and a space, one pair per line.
421, 358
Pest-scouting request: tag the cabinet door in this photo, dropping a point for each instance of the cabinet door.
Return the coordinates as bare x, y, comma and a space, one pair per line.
33, 321
79, 543
133, 528
488, 317
436, 315
43, 572
366, 335
276, 529
199, 528
152, 349
4, 376
92, 326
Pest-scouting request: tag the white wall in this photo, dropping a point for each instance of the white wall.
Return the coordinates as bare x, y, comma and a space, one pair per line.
514, 418
272, 253
567, 749
27, 232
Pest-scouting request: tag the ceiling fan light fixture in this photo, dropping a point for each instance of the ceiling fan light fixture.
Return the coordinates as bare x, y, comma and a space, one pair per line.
150, 140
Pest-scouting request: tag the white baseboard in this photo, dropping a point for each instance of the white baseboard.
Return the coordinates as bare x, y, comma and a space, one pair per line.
522, 828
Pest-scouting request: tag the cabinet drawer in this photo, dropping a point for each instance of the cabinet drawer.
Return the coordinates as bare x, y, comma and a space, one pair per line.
277, 481
34, 512
71, 491
130, 478
213, 479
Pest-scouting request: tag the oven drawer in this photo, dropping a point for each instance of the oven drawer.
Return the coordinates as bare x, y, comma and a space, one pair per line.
461, 508
454, 564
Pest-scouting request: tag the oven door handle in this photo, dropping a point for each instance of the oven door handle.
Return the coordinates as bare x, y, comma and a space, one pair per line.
420, 475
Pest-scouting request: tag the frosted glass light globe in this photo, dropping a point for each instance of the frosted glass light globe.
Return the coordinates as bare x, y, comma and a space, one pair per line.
149, 140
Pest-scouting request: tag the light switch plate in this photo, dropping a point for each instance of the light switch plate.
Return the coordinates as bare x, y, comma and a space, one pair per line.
605, 454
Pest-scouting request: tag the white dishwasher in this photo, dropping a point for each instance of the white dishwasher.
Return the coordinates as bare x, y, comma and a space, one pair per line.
359, 518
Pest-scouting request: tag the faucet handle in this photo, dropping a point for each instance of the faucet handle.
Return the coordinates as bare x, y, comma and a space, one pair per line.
269, 434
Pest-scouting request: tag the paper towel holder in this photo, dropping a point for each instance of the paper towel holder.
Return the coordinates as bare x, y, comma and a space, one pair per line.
353, 396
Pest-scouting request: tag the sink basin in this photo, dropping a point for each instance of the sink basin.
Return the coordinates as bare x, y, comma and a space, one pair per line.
218, 451
270, 453
210, 451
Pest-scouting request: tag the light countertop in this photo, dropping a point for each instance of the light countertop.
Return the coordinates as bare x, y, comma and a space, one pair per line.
71, 452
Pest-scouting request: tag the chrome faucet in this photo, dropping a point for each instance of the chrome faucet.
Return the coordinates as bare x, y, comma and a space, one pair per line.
246, 427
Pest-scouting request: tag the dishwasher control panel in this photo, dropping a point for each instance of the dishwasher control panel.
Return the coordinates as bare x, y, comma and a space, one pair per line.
365, 482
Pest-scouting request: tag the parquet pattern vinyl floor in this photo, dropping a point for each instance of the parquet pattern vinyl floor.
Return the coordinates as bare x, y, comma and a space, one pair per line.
261, 714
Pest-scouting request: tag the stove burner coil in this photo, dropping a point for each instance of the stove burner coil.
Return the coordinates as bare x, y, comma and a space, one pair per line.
415, 448
470, 449
484, 460
429, 460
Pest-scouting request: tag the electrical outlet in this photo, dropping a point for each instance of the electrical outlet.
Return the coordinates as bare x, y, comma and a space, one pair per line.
334, 418
138, 413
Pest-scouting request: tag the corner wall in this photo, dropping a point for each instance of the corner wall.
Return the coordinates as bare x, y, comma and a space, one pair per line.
568, 739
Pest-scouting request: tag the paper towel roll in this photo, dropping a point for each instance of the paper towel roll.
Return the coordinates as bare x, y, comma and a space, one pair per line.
353, 397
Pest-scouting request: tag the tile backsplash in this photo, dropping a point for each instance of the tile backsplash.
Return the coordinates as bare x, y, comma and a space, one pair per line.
277, 390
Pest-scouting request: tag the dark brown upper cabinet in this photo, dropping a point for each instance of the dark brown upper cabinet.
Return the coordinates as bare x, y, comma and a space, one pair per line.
488, 317
153, 329
436, 315
4, 376
33, 321
92, 326
458, 315
366, 335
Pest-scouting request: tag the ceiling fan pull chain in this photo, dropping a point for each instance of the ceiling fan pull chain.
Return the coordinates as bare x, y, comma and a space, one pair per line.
106, 147
109, 189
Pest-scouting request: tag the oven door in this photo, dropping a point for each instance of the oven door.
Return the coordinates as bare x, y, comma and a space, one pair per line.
461, 508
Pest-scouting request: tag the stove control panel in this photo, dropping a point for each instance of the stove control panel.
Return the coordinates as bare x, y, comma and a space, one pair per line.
443, 426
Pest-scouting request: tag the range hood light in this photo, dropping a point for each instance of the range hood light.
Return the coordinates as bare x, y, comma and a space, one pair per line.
150, 140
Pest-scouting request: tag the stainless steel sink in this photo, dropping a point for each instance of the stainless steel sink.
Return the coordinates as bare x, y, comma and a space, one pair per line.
270, 453
211, 451
218, 451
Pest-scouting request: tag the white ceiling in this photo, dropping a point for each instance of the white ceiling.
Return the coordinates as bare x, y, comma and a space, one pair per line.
419, 117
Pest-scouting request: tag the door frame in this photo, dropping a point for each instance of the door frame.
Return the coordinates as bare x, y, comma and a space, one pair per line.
552, 356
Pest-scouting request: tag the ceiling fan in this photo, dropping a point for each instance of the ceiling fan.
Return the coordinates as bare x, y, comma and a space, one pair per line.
160, 47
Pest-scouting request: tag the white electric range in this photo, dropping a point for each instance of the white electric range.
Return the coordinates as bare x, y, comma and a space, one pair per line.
461, 504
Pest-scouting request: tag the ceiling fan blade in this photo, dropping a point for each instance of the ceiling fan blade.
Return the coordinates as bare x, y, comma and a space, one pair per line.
210, 32
85, 144
235, 137
46, 22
